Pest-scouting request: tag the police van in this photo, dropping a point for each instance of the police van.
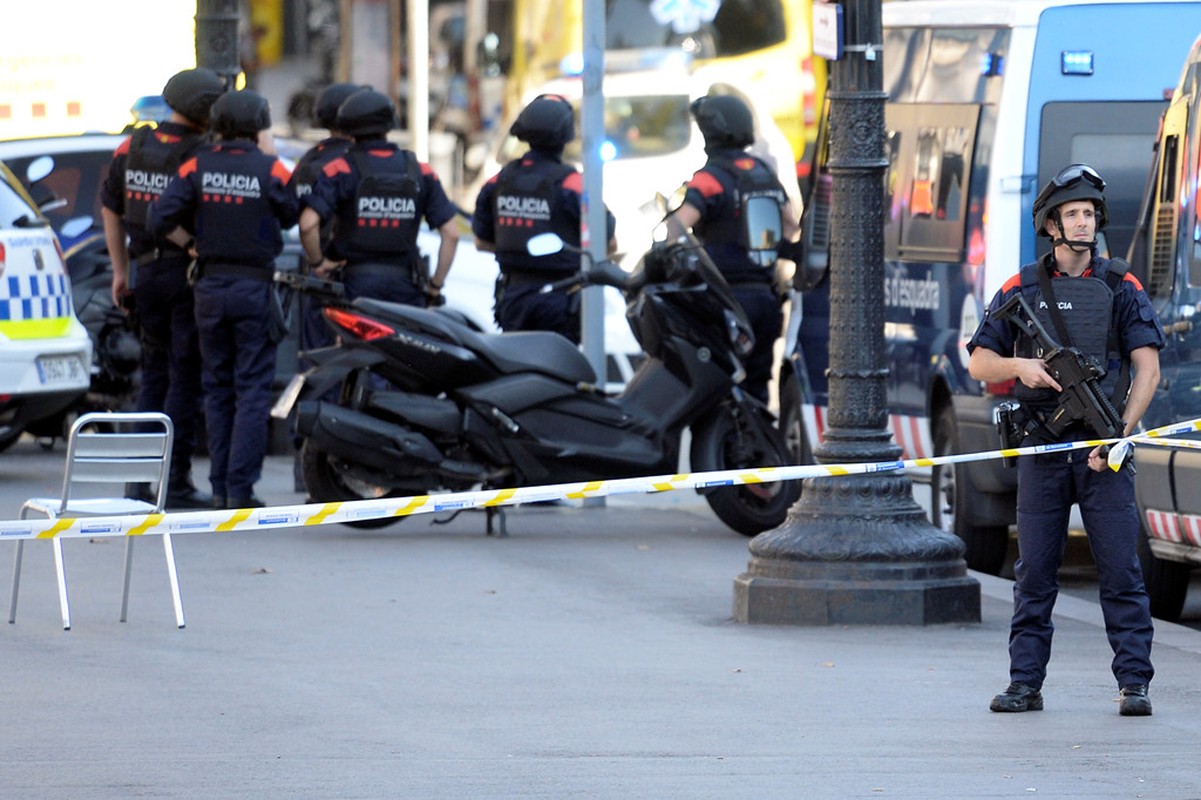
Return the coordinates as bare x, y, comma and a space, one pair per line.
45, 353
986, 102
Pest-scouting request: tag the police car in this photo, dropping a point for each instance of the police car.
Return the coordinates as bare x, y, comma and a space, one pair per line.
45, 353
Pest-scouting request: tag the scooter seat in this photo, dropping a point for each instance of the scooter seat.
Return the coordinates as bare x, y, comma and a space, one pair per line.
517, 351
535, 351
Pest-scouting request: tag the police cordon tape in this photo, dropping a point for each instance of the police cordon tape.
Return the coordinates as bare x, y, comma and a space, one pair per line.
275, 517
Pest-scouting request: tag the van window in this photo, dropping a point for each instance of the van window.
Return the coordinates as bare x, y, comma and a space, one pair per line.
1118, 138
740, 26
934, 171
15, 210
928, 65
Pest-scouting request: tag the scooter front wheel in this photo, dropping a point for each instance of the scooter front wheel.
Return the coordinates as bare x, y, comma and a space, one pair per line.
735, 441
328, 481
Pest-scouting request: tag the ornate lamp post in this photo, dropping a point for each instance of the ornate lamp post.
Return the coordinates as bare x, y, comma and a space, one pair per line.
857, 549
217, 37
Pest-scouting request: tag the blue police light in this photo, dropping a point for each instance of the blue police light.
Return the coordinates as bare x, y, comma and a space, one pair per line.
990, 64
1076, 62
572, 65
608, 151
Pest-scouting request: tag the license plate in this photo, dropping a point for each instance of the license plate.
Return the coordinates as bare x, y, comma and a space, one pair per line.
57, 370
287, 398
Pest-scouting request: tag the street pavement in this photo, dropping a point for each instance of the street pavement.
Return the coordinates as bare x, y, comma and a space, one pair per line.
592, 653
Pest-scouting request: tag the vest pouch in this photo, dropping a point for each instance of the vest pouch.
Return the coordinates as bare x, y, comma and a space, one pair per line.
764, 223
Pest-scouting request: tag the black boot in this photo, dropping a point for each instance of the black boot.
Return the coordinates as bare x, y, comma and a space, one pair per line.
183, 494
1017, 698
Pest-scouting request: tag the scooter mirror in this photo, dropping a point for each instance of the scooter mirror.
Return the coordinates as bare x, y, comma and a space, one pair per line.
544, 244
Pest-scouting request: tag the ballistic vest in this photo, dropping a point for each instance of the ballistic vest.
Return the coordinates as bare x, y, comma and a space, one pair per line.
1086, 305
526, 203
234, 201
385, 216
752, 178
150, 166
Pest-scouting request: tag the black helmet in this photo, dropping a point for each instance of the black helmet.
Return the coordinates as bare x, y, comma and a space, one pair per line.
724, 120
547, 123
192, 93
366, 112
331, 99
1074, 182
241, 115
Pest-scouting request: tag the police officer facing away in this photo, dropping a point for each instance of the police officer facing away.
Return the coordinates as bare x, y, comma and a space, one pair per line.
377, 194
716, 207
235, 200
1107, 315
536, 193
313, 330
141, 168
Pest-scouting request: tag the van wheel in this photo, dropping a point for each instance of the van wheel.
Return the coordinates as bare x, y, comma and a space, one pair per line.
951, 504
1167, 582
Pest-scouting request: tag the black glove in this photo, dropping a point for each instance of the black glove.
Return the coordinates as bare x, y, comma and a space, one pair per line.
793, 251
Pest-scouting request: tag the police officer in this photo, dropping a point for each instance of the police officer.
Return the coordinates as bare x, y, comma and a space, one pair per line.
141, 168
377, 194
716, 204
1104, 311
536, 193
234, 199
313, 330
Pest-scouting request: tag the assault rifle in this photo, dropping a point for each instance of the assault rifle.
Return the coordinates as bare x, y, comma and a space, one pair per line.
1082, 398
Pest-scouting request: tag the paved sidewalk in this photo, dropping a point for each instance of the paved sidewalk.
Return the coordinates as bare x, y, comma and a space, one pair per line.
591, 654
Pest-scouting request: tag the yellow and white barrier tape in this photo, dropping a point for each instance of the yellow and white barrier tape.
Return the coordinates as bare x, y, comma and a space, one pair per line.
274, 517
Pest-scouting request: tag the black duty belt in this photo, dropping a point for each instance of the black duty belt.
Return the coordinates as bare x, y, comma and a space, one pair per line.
153, 256
263, 272
388, 267
519, 277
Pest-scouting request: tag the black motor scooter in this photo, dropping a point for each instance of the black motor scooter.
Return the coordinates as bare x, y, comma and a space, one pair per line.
412, 401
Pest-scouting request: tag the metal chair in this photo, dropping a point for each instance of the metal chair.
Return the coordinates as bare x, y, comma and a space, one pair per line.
108, 448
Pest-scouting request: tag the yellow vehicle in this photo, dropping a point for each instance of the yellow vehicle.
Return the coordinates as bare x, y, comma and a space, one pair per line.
764, 47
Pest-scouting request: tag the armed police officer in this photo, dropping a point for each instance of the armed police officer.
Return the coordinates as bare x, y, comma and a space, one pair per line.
1093, 304
533, 194
718, 205
377, 195
141, 168
234, 200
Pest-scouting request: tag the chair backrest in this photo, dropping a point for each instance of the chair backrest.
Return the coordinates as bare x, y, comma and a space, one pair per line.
120, 448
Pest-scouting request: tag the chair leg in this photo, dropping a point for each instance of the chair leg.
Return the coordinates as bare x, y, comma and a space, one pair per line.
173, 575
125, 580
62, 582
12, 606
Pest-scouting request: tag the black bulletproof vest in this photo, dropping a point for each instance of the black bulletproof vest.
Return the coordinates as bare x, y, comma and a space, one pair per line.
526, 203
386, 216
1086, 305
234, 204
149, 167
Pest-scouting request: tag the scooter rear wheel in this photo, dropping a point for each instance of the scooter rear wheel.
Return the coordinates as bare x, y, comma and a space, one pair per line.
729, 443
328, 482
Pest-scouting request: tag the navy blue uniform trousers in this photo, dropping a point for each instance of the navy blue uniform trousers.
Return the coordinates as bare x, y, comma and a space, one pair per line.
233, 317
1048, 485
170, 353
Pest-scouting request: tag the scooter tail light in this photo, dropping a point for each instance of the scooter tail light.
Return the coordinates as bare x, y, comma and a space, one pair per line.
358, 326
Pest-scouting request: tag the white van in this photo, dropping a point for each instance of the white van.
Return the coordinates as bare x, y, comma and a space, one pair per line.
986, 102
45, 353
